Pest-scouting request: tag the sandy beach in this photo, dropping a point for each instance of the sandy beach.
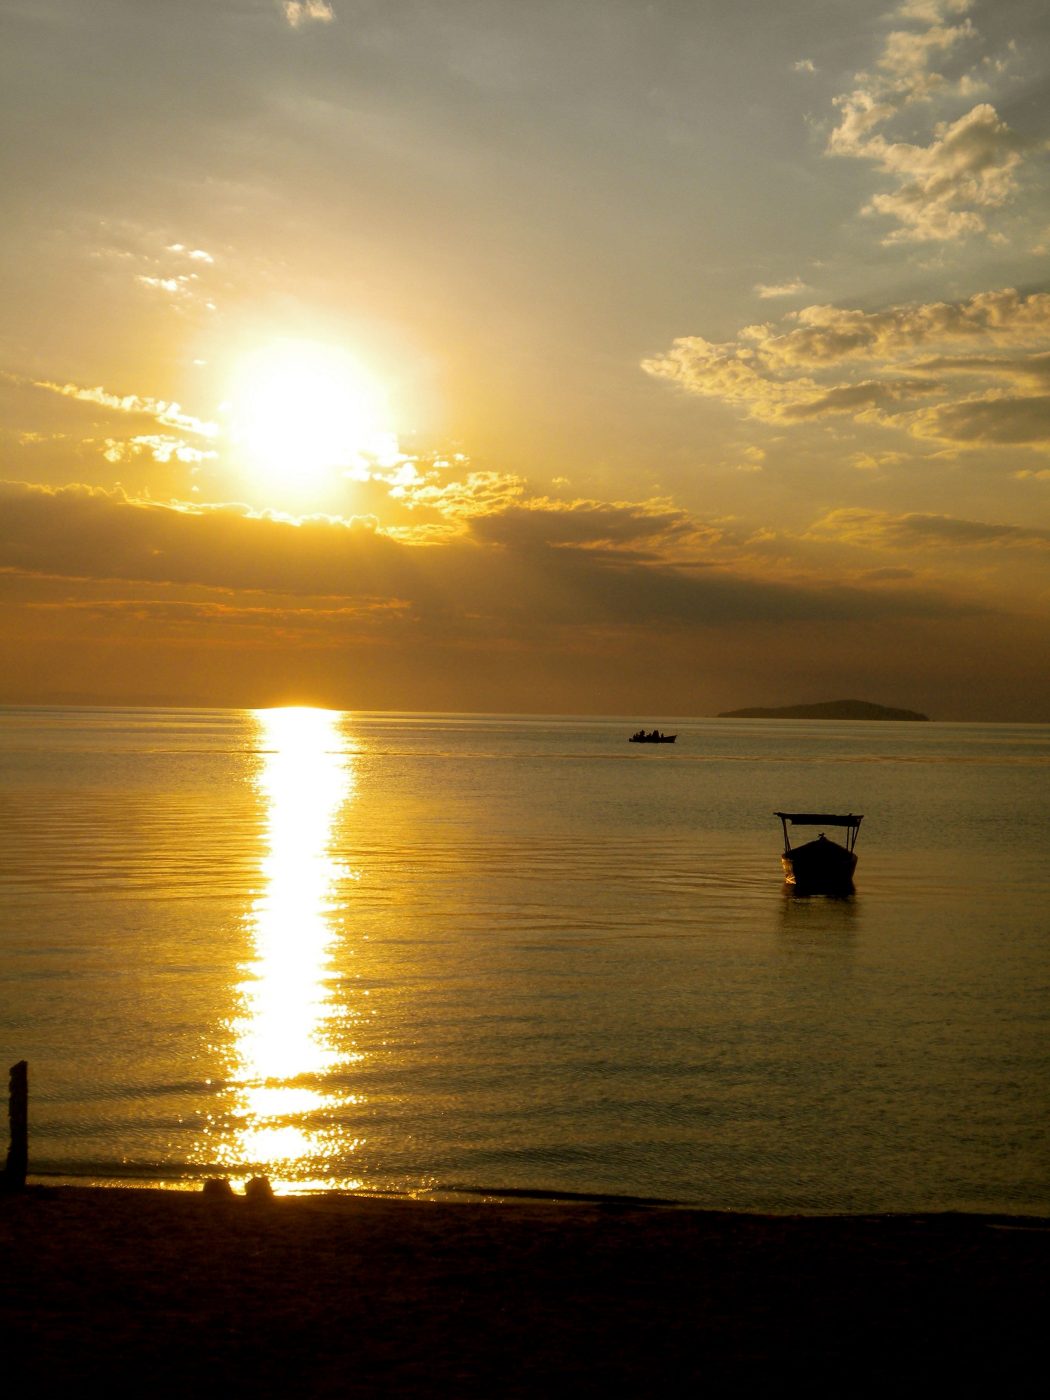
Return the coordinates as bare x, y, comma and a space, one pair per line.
167, 1293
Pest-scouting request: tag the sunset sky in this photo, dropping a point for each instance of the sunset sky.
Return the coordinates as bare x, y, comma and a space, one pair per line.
654, 357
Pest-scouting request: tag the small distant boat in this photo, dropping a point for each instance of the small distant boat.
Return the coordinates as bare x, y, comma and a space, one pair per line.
651, 736
820, 866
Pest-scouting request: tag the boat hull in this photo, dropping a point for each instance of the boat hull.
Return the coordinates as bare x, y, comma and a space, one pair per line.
820, 866
663, 739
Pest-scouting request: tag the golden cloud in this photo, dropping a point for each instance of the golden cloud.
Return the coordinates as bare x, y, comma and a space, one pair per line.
878, 367
168, 414
945, 188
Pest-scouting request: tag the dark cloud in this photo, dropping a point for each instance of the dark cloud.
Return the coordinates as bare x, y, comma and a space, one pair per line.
543, 572
586, 523
1034, 368
918, 531
855, 398
1008, 421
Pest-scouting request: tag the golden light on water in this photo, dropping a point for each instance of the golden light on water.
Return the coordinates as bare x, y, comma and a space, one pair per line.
281, 1048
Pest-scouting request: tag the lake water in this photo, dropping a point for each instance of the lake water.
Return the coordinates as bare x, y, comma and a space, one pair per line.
419, 953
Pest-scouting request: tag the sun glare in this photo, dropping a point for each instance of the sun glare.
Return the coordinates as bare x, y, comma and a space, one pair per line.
303, 414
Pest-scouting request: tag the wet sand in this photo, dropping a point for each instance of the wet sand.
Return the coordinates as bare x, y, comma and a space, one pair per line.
171, 1293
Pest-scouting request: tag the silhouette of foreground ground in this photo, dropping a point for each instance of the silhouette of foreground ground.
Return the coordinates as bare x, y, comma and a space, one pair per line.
169, 1293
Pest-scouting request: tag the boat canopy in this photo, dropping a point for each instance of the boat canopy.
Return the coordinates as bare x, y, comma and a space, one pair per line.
849, 821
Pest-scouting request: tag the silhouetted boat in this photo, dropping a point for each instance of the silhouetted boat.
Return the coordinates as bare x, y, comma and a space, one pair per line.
652, 736
820, 866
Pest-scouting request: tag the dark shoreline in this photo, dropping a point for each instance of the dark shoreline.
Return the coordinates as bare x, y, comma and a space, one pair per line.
172, 1292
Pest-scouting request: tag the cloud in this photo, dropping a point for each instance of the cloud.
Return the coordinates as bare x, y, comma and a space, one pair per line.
883, 367
859, 398
182, 273
1002, 420
421, 486
944, 189
917, 531
157, 446
804, 65
932, 11
970, 166
733, 373
517, 572
625, 529
826, 335
753, 459
549, 608
873, 462
168, 413
277, 621
1031, 369
780, 289
182, 287
172, 285
194, 254
300, 12
908, 54
743, 376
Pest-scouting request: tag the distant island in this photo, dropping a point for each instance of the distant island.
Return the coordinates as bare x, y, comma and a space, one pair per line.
827, 709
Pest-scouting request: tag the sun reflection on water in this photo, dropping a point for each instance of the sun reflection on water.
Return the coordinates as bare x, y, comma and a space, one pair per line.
278, 1122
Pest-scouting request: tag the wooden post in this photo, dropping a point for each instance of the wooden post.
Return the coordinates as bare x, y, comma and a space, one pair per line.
14, 1178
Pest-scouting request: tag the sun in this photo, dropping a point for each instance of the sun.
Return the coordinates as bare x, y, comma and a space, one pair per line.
302, 414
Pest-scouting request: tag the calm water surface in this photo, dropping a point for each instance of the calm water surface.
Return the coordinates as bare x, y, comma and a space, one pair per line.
424, 952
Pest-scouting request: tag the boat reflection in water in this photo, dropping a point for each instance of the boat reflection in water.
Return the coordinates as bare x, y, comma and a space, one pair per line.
277, 1121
